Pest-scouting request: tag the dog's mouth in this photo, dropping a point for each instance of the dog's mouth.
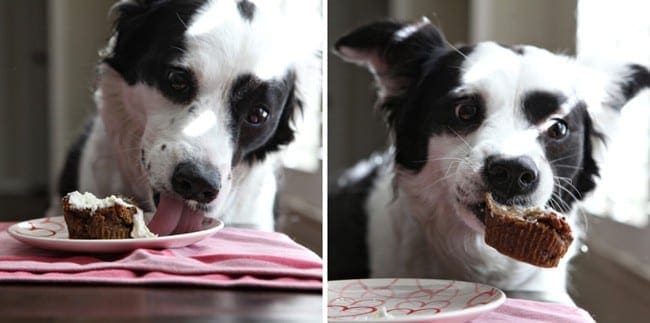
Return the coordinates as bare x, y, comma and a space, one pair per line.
476, 207
174, 215
479, 210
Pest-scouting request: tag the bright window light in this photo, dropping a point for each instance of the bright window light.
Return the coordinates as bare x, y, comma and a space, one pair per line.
620, 31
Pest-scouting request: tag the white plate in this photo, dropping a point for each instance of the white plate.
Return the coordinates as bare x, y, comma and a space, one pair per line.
409, 300
52, 233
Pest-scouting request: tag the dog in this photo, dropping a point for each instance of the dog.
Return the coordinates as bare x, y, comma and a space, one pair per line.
195, 99
519, 122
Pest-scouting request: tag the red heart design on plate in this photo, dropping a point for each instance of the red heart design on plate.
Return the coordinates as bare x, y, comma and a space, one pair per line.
368, 302
416, 305
482, 298
347, 311
438, 304
405, 311
427, 310
408, 311
409, 305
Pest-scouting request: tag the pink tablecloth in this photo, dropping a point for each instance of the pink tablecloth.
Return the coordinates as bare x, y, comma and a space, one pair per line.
231, 257
522, 311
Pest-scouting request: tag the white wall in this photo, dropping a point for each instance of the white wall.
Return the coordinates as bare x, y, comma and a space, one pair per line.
355, 127
550, 24
77, 30
23, 126
450, 16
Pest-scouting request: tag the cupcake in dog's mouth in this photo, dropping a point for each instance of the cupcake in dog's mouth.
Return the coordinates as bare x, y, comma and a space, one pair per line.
537, 236
174, 215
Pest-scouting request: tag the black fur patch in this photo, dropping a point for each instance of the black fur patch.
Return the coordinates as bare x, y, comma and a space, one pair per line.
539, 105
246, 9
69, 178
575, 169
149, 37
279, 97
404, 58
637, 79
428, 108
348, 224
423, 71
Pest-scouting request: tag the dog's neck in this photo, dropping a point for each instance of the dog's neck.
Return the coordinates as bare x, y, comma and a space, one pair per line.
249, 203
116, 136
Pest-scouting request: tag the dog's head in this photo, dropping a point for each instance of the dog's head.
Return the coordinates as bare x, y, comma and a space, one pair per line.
206, 88
516, 121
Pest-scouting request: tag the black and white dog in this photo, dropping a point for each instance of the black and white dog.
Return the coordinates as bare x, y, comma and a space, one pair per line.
516, 121
194, 99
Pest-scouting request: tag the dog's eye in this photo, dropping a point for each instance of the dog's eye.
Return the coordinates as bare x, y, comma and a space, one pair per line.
258, 115
557, 130
179, 80
466, 111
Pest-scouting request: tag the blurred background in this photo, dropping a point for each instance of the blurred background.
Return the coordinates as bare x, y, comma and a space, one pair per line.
616, 258
48, 53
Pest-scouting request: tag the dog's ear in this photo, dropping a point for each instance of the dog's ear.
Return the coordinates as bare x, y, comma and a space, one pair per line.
625, 81
609, 87
394, 52
140, 23
128, 41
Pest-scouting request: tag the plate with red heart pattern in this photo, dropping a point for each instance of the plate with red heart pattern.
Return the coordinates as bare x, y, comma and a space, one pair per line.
409, 300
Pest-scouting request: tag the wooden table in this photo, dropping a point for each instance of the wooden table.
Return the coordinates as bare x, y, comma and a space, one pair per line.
81, 303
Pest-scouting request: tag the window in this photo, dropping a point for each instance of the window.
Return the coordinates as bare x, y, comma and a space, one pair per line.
620, 31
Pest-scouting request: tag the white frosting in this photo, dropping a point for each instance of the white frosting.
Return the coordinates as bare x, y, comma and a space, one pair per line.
383, 313
529, 214
90, 201
140, 229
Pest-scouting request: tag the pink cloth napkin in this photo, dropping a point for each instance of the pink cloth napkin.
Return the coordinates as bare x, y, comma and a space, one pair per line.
523, 311
231, 257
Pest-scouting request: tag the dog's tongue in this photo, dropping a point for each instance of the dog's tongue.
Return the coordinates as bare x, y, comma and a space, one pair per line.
173, 216
190, 221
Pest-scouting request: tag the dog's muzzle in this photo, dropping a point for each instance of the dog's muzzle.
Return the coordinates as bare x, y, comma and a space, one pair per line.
195, 182
510, 179
194, 186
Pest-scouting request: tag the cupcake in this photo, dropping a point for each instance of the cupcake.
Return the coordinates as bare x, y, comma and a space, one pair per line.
537, 236
88, 217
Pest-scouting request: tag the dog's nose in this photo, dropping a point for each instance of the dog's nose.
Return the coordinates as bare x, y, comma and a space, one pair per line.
196, 182
510, 177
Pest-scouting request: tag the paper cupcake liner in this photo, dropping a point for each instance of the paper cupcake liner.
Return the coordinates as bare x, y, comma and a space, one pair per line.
525, 241
109, 233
